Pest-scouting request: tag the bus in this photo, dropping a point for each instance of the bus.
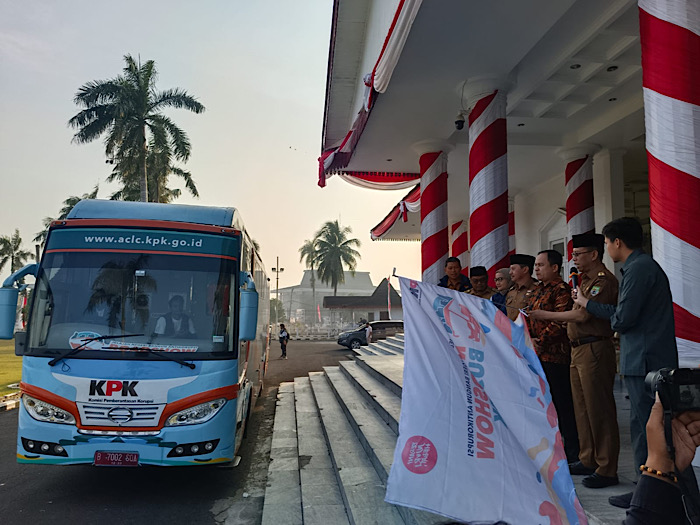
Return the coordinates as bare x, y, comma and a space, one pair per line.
147, 338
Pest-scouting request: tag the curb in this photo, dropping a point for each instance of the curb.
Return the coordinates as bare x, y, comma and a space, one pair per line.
9, 402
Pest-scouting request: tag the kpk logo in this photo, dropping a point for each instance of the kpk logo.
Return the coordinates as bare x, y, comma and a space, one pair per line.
112, 388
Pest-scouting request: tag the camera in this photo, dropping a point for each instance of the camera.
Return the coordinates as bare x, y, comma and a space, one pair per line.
459, 121
678, 388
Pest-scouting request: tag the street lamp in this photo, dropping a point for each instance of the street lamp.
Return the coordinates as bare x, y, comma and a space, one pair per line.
277, 271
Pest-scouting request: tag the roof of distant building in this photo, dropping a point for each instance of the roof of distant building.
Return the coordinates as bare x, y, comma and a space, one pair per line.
378, 299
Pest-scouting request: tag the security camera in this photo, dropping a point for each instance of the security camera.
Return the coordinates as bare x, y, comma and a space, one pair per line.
459, 121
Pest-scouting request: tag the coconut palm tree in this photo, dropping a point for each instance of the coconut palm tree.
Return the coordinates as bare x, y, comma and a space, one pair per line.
127, 110
68, 206
159, 168
334, 250
308, 255
11, 251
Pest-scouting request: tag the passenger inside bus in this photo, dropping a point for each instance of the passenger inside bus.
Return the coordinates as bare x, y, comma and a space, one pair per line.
175, 323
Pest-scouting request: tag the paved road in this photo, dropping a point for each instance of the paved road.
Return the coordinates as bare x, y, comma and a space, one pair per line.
41, 494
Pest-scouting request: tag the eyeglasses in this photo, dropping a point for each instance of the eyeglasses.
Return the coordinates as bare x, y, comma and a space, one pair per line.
576, 254
499, 279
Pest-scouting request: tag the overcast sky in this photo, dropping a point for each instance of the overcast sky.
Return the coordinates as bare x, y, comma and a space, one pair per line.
258, 67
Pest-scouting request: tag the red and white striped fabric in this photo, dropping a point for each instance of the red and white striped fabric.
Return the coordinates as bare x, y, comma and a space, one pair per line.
580, 217
670, 35
434, 235
488, 183
410, 203
460, 245
511, 227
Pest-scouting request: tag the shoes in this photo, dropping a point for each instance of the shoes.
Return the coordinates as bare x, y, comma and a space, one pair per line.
623, 500
596, 481
284, 357
579, 469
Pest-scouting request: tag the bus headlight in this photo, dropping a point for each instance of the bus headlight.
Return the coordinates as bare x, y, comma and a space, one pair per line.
43, 411
196, 414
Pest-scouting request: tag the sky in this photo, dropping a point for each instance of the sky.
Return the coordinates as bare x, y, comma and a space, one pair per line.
258, 67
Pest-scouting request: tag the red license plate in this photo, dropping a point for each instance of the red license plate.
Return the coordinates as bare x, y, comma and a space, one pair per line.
116, 459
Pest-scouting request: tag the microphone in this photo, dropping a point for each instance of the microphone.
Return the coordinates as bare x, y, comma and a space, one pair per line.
573, 277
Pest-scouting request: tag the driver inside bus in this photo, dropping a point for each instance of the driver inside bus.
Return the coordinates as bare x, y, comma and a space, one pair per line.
175, 323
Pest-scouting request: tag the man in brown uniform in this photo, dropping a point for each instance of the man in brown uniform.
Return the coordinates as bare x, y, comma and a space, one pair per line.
480, 282
593, 366
521, 267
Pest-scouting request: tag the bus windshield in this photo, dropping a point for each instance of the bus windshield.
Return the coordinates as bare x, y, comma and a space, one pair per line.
180, 303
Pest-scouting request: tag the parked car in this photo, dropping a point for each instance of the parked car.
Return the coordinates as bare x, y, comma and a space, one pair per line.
380, 330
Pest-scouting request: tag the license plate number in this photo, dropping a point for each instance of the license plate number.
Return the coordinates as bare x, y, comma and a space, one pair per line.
116, 459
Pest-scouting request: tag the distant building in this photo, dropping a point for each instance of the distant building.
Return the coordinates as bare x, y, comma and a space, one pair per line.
370, 307
302, 305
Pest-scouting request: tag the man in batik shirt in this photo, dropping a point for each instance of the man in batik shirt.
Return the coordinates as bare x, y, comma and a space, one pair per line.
552, 343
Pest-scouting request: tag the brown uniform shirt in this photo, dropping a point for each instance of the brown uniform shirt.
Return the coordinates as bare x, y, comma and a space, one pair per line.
486, 294
602, 288
517, 298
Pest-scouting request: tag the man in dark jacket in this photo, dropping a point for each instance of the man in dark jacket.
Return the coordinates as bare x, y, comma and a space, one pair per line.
454, 279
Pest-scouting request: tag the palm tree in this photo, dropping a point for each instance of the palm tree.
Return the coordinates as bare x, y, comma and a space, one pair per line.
334, 250
128, 111
11, 251
68, 206
159, 168
308, 255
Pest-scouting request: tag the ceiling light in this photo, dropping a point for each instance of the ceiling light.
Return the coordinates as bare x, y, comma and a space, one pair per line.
611, 69
521, 125
574, 66
613, 99
389, 160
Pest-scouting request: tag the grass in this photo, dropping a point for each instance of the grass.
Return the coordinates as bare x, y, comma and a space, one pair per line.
10, 367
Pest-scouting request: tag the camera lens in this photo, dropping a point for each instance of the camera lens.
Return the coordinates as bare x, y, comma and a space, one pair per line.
651, 381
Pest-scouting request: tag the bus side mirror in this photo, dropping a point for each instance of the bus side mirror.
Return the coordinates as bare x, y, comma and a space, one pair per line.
8, 311
248, 318
9, 294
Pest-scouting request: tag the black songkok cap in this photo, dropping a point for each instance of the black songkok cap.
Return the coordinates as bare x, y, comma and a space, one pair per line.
588, 240
476, 271
523, 260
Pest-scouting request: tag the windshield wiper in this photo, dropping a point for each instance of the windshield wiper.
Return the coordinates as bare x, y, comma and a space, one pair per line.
152, 351
87, 342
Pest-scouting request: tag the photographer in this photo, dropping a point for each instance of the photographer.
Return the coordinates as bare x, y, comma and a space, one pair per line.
657, 498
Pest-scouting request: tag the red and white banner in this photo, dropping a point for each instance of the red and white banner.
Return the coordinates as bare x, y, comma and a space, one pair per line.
460, 245
670, 36
579, 200
478, 435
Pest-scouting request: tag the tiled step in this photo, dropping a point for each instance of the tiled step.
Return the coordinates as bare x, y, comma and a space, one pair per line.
385, 402
399, 336
360, 485
283, 492
364, 350
388, 370
380, 348
392, 344
322, 503
376, 436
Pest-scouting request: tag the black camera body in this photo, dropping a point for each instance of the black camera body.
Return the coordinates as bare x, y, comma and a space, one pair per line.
678, 388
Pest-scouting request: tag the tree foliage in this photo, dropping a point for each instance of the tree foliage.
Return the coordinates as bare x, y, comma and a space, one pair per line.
277, 314
11, 251
127, 112
335, 251
66, 208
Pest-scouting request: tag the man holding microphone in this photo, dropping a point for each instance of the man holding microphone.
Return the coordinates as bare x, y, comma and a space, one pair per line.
593, 365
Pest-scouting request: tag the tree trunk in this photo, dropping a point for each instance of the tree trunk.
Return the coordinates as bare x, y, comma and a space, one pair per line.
313, 295
144, 178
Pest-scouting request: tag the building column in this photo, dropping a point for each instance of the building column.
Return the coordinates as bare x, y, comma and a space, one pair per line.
460, 244
578, 178
434, 232
608, 186
511, 225
488, 175
670, 37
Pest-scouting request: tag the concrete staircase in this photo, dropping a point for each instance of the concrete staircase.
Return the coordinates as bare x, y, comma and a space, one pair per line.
333, 444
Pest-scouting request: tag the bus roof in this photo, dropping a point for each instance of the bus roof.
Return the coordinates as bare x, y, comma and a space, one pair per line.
106, 209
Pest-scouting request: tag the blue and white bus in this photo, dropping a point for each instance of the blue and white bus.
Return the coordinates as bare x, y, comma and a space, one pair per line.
147, 338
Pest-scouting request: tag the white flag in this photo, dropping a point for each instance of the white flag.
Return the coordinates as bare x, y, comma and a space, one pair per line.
478, 435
